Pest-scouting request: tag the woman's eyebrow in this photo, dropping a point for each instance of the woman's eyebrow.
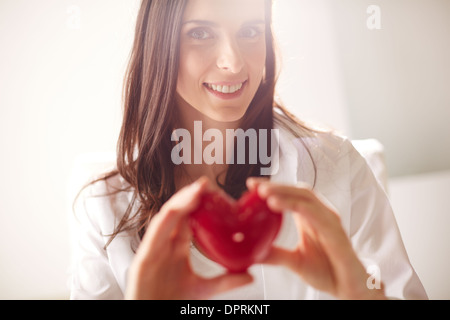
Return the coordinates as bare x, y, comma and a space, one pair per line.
213, 24
203, 22
253, 22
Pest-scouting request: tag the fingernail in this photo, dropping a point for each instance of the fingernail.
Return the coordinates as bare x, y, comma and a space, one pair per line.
263, 190
199, 183
196, 186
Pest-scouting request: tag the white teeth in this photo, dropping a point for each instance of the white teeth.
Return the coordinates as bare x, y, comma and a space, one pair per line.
226, 89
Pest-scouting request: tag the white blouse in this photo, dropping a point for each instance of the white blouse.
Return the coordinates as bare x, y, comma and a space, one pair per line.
343, 180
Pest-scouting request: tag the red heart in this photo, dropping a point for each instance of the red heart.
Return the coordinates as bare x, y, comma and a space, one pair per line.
235, 234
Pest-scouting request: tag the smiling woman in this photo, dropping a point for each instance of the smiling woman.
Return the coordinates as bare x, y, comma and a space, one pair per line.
222, 58
212, 62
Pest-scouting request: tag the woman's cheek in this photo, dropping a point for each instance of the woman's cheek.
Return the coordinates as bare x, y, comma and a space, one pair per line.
194, 64
256, 58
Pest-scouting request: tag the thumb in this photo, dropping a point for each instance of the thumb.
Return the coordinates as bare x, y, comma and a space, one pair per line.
226, 282
283, 257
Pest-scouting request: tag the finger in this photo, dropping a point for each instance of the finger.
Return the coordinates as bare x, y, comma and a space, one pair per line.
226, 282
179, 206
298, 199
265, 189
182, 233
253, 182
283, 257
288, 203
316, 219
185, 200
181, 238
311, 209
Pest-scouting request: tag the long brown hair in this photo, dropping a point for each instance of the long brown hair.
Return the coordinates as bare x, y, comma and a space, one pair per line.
144, 145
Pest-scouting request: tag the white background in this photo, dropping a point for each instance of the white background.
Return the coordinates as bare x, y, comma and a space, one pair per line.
61, 69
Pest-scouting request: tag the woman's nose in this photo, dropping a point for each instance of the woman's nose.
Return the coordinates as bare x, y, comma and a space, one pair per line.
230, 57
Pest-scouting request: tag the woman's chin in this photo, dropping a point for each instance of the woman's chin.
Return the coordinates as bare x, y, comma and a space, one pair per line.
228, 115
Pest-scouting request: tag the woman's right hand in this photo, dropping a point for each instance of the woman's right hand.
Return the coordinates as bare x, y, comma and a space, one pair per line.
161, 269
324, 256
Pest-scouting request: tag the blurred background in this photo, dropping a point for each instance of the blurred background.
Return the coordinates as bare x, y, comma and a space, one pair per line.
370, 69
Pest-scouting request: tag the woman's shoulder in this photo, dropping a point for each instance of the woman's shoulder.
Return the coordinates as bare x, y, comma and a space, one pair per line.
320, 141
107, 184
331, 152
103, 200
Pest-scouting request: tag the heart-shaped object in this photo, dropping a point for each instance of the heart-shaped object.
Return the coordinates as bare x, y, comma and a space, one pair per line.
235, 234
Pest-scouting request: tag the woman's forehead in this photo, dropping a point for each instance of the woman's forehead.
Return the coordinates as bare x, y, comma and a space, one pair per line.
237, 11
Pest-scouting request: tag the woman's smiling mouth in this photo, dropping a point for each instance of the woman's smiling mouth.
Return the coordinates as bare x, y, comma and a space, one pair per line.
226, 90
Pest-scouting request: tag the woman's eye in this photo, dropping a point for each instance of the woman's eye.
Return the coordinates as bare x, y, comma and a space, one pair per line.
200, 34
250, 32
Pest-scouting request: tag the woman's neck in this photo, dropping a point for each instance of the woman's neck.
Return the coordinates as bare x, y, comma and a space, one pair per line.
188, 115
197, 124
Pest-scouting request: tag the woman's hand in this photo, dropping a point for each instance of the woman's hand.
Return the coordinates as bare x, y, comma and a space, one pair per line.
324, 256
161, 269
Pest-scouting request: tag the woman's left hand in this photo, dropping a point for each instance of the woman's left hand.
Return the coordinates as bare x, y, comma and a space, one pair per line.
324, 256
161, 268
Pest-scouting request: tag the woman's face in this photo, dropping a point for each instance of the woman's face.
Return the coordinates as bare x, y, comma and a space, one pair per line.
222, 56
